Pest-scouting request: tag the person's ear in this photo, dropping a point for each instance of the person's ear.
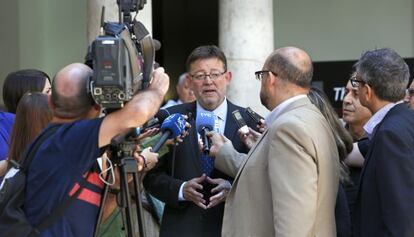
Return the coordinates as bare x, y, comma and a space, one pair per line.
228, 76
272, 79
369, 92
50, 103
97, 107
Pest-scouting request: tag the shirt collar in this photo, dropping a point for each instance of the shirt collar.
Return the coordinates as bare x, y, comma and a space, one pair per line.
279, 109
220, 111
377, 118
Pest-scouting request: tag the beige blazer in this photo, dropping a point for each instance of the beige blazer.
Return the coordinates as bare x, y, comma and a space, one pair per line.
287, 184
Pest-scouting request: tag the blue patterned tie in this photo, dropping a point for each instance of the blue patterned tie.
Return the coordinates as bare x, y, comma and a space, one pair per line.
207, 162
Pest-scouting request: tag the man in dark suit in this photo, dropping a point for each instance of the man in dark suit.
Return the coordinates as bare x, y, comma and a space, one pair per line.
385, 198
193, 194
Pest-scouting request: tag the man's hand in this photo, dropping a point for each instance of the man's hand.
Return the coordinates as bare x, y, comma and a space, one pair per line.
147, 133
146, 160
191, 193
262, 126
221, 191
217, 141
250, 138
181, 137
160, 81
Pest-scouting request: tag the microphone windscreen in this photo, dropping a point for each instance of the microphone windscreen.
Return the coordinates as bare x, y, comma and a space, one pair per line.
205, 119
162, 114
174, 123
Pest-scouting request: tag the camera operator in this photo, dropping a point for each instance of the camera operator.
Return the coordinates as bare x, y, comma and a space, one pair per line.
69, 155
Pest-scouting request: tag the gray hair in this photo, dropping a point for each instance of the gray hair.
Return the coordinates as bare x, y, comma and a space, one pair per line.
181, 78
385, 72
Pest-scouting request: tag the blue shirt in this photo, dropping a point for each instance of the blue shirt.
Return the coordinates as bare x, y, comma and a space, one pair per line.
54, 174
6, 125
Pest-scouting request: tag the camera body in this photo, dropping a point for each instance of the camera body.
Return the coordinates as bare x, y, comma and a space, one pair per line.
113, 82
122, 59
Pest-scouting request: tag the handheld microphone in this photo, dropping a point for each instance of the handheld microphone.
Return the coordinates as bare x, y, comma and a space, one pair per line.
255, 116
156, 121
173, 126
205, 123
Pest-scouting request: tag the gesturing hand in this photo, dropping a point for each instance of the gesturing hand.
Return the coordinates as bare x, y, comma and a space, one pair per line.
191, 193
221, 191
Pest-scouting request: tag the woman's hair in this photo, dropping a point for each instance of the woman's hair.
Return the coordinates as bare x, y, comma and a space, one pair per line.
343, 139
32, 116
18, 83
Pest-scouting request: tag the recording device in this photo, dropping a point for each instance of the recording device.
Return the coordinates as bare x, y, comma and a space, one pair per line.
255, 116
240, 121
205, 123
173, 126
122, 57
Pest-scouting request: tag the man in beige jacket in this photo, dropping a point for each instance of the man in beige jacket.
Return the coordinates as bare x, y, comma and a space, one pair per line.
287, 184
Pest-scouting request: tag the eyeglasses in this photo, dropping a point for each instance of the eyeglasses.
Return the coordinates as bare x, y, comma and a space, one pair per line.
260, 74
203, 76
355, 82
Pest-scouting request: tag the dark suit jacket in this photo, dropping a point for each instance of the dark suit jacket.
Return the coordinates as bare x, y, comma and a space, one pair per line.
385, 201
185, 218
342, 214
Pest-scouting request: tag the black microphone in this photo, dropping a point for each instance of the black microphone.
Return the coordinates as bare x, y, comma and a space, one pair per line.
156, 121
173, 126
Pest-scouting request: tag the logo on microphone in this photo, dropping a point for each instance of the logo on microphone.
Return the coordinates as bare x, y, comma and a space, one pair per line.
174, 123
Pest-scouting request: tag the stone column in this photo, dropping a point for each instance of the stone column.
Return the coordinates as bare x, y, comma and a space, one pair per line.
246, 37
111, 14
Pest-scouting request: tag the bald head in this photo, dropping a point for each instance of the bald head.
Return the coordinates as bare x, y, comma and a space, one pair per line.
69, 93
291, 64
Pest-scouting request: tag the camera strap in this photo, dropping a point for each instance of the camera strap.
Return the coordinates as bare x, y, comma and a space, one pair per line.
59, 210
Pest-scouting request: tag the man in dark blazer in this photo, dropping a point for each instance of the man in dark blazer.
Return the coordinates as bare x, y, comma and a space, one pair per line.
195, 200
385, 200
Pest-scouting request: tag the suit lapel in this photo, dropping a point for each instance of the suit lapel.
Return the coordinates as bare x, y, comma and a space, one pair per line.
193, 137
231, 128
368, 157
249, 155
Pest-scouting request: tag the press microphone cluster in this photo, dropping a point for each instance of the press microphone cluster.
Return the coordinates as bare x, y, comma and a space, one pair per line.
205, 123
156, 121
173, 126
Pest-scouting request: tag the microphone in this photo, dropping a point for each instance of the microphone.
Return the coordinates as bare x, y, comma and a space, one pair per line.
173, 126
205, 123
154, 122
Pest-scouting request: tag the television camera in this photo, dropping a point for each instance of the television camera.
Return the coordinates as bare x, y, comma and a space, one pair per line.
122, 57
